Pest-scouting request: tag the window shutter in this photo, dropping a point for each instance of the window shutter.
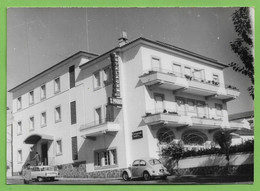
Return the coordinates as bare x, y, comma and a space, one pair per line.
73, 113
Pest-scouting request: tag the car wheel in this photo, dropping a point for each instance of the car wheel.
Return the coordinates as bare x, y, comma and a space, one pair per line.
40, 179
146, 176
125, 176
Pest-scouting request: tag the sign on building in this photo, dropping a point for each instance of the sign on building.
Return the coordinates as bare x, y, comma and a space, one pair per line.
115, 75
137, 134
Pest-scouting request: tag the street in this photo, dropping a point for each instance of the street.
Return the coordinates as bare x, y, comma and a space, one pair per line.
169, 180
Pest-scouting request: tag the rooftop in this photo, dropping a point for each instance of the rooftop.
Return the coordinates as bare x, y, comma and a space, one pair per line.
138, 40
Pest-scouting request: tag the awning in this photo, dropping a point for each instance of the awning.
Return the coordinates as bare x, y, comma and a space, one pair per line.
32, 139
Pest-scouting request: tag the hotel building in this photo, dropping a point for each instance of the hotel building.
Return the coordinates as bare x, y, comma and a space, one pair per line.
93, 115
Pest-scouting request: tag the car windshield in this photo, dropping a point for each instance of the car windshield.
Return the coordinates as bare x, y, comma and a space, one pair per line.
154, 162
47, 168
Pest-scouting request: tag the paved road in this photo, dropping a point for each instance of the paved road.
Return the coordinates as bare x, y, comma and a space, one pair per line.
170, 180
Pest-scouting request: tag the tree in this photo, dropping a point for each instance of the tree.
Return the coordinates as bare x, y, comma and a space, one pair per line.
223, 139
174, 151
243, 45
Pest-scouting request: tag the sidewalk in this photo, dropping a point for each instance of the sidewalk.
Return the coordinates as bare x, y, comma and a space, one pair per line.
174, 179
63, 178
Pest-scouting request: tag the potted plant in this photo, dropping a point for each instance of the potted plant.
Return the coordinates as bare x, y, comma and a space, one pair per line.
147, 114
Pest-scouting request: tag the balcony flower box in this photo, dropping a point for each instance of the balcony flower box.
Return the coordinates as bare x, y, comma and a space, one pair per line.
188, 77
173, 112
148, 114
215, 83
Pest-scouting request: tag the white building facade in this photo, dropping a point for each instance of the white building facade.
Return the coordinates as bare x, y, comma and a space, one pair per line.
99, 113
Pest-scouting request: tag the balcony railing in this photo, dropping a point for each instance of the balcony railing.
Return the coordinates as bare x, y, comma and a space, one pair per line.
173, 80
99, 122
99, 127
182, 117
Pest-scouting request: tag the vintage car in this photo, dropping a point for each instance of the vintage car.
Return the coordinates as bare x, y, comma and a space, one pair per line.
41, 173
145, 168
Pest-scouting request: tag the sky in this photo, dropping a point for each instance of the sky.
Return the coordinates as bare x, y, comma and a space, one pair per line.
38, 38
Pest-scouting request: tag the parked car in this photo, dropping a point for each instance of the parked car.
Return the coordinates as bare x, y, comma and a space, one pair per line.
145, 168
42, 173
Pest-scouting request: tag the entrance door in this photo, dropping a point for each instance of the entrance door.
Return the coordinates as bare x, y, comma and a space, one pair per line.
44, 157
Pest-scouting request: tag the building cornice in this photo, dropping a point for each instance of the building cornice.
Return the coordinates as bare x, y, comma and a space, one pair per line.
59, 64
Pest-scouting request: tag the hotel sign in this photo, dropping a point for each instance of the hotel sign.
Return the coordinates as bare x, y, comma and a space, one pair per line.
114, 101
115, 75
137, 134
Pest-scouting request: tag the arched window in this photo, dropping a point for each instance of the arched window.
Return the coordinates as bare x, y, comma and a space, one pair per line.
165, 135
193, 137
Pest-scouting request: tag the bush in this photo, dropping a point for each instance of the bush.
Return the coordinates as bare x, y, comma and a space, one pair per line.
247, 146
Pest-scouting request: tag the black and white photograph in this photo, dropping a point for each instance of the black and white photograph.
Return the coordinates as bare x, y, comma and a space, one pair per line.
130, 95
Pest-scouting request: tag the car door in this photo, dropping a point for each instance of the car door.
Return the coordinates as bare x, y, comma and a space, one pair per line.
142, 168
134, 168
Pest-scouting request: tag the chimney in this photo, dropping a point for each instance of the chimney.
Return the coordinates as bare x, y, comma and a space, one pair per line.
123, 39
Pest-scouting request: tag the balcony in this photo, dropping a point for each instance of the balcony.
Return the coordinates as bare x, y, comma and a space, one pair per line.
206, 123
166, 79
180, 119
100, 127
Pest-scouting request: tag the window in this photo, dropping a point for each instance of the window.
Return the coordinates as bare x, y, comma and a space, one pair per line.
191, 105
107, 76
218, 109
43, 92
57, 114
187, 71
165, 135
177, 69
31, 123
31, 97
74, 145
180, 105
215, 78
135, 163
19, 103
57, 85
194, 137
19, 128
43, 119
19, 156
201, 108
97, 80
142, 163
156, 64
98, 116
58, 147
105, 157
72, 76
197, 74
73, 114
159, 102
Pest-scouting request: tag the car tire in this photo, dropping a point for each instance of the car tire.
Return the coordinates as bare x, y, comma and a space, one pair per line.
125, 176
146, 176
40, 179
